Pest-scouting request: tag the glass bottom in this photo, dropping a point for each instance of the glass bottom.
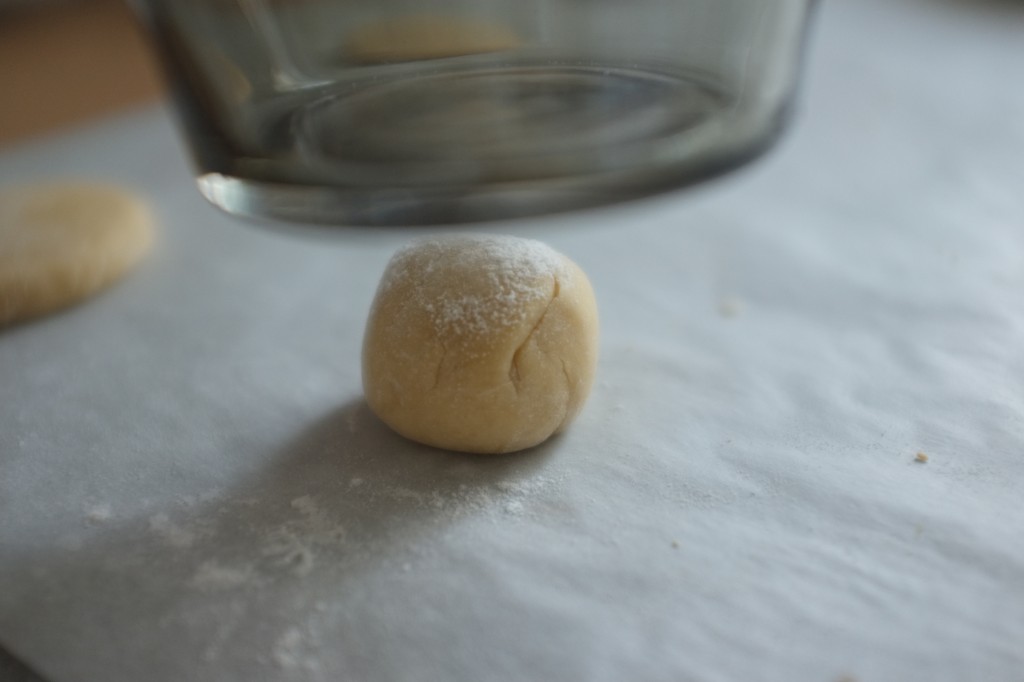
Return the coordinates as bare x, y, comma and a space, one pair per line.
485, 143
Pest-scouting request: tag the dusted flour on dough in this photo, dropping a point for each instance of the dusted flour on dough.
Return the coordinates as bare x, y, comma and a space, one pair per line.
516, 272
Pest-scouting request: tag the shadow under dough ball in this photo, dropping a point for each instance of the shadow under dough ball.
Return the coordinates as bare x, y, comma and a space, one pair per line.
480, 343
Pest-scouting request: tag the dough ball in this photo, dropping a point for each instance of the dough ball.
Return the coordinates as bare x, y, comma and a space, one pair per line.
415, 37
62, 243
480, 343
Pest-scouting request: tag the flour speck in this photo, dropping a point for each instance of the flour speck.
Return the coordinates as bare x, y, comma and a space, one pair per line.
295, 649
214, 576
170, 532
98, 513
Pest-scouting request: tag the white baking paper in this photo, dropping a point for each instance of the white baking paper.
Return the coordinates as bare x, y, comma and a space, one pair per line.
191, 487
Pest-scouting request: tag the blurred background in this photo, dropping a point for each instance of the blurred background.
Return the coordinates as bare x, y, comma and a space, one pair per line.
66, 62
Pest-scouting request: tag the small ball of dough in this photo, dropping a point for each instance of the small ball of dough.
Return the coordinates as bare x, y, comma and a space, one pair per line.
480, 343
62, 243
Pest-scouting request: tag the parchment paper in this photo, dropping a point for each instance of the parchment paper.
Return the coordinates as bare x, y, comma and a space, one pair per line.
191, 487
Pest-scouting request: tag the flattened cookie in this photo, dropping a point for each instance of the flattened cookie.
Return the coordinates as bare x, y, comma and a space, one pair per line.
62, 243
422, 36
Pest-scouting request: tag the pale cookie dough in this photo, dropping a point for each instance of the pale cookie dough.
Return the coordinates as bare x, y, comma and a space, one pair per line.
62, 243
415, 37
480, 343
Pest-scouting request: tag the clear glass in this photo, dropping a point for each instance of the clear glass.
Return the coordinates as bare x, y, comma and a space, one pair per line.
404, 112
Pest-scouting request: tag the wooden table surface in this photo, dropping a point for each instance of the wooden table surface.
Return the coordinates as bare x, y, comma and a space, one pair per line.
67, 63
